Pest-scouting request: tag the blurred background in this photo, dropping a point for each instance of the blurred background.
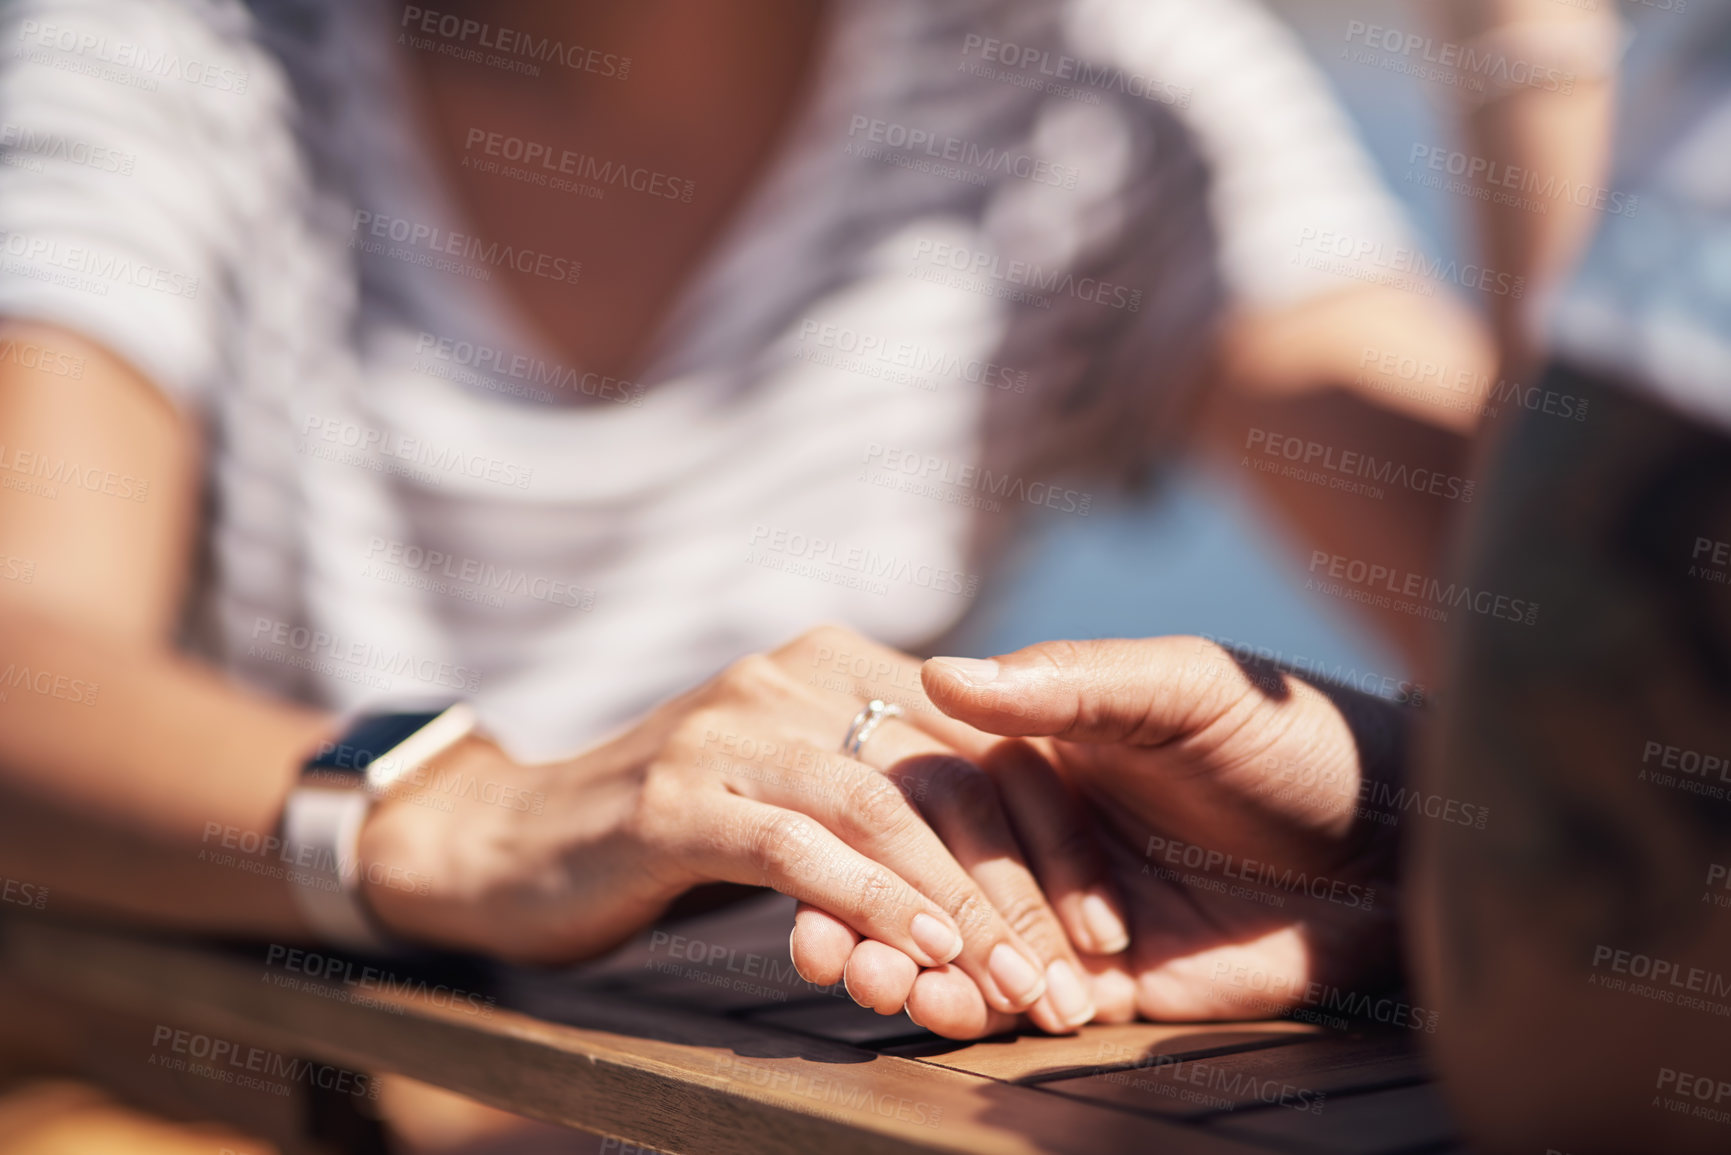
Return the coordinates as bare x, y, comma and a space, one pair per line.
1195, 556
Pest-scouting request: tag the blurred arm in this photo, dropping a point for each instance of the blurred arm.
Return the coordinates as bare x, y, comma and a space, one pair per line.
1324, 389
1553, 133
1398, 376
117, 756
1383, 375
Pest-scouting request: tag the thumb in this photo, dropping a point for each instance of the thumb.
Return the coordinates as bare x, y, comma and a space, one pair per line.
1139, 692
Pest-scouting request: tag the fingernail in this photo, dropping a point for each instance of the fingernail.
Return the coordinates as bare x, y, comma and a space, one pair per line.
1107, 929
1069, 997
1018, 978
974, 671
940, 943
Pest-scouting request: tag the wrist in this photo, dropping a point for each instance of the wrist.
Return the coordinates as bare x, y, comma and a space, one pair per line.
1382, 735
416, 879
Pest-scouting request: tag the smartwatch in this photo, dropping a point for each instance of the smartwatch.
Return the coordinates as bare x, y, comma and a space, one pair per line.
321, 824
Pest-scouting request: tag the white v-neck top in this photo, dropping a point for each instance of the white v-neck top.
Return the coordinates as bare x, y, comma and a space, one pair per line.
974, 286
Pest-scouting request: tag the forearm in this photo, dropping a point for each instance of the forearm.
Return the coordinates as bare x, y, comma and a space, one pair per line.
121, 761
136, 782
1537, 152
1365, 466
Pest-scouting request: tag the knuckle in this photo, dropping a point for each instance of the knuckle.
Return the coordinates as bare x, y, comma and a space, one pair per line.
1220, 677
785, 844
753, 676
695, 733
827, 634
659, 793
974, 914
879, 894
1061, 656
874, 807
654, 819
815, 640
1026, 913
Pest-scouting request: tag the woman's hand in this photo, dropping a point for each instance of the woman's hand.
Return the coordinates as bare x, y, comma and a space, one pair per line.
1224, 798
740, 780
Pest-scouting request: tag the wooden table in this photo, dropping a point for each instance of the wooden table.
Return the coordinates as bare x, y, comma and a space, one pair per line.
700, 1038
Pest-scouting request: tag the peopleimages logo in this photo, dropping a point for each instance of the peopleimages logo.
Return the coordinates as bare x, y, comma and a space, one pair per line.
1694, 1092
47, 683
1467, 66
483, 575
546, 162
1014, 280
251, 1068
459, 31
38, 255
425, 244
1464, 389
1290, 880
1661, 979
29, 355
1690, 771
913, 465
441, 460
368, 985
361, 656
975, 158
825, 559
45, 474
534, 371
1718, 879
1384, 587
21, 893
42, 145
1372, 259
1283, 989
1351, 464
154, 63
1086, 74
849, 1095
859, 351
1512, 185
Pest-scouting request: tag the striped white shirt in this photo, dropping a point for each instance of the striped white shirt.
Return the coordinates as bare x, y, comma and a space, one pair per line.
973, 287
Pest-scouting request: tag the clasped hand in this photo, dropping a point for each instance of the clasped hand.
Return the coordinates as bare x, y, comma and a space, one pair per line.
989, 854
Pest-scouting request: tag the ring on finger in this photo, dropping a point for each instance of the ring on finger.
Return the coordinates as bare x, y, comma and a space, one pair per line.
866, 722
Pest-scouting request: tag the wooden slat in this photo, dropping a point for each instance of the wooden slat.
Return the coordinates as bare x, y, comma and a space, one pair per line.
1401, 1119
1303, 1073
671, 1080
1031, 1058
123, 1056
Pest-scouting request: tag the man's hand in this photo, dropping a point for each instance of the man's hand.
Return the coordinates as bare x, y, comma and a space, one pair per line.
1225, 797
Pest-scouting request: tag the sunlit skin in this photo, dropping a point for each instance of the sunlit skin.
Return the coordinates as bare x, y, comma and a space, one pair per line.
1169, 739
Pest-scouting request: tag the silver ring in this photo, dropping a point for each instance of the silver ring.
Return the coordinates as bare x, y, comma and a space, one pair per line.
866, 722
